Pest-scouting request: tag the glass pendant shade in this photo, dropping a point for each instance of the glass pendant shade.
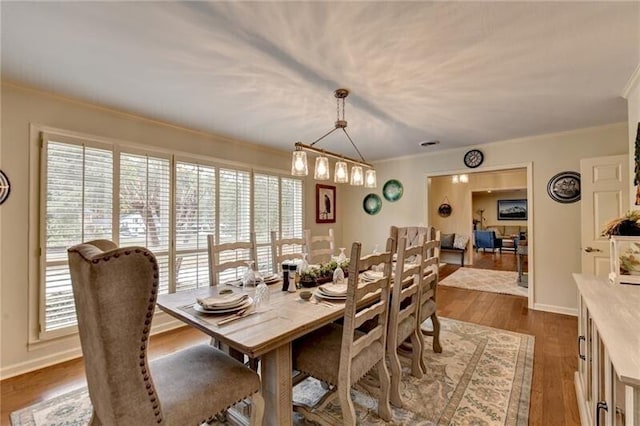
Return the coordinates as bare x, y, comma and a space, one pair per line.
464, 178
341, 174
370, 179
357, 178
299, 164
322, 168
454, 179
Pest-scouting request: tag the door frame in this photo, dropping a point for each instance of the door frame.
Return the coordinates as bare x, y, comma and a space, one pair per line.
530, 214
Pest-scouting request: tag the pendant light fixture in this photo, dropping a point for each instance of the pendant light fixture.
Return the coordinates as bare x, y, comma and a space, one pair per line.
341, 174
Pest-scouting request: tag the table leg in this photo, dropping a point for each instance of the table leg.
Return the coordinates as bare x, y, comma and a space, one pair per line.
277, 387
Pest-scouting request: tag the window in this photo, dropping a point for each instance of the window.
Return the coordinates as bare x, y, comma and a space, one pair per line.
77, 190
92, 190
195, 219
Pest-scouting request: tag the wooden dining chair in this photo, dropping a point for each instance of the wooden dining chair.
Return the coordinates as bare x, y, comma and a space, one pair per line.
320, 248
115, 291
429, 288
411, 233
341, 355
226, 256
404, 312
283, 249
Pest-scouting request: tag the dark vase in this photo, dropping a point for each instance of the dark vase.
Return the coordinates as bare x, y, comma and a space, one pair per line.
627, 228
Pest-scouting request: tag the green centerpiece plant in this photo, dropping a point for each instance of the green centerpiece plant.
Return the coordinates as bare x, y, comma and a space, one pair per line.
321, 274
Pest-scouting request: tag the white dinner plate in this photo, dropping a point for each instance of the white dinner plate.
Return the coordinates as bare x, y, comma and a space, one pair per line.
329, 297
202, 310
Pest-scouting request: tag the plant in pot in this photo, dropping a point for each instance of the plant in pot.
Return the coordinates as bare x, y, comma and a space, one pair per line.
628, 225
309, 278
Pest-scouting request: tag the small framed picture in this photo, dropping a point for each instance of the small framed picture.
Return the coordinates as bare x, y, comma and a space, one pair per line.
325, 203
512, 209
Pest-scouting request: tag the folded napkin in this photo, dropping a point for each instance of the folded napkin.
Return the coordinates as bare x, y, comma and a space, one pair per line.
221, 302
334, 289
234, 283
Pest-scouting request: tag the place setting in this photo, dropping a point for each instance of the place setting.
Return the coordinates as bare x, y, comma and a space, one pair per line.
332, 292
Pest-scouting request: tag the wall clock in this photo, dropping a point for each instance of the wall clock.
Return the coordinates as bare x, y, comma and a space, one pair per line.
473, 158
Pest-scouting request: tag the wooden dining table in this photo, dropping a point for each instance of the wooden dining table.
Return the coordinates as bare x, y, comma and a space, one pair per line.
268, 335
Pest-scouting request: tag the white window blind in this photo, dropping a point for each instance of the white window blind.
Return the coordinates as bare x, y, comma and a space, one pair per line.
292, 212
195, 219
144, 207
266, 215
82, 200
234, 215
78, 180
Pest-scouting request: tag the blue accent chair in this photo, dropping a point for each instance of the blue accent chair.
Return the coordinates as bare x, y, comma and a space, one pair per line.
487, 240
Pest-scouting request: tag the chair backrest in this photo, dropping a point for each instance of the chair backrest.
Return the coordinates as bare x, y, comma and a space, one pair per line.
411, 233
320, 248
430, 269
225, 256
359, 353
285, 249
485, 238
403, 309
115, 293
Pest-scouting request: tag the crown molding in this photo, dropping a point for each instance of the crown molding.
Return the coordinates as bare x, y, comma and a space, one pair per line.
633, 81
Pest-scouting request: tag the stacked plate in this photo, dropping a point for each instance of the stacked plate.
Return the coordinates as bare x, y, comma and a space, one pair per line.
271, 278
222, 304
332, 291
371, 275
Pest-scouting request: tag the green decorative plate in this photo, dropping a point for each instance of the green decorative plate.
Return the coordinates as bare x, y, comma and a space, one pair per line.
392, 190
372, 204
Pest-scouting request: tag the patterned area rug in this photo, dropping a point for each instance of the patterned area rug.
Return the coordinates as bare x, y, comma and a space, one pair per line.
482, 377
504, 282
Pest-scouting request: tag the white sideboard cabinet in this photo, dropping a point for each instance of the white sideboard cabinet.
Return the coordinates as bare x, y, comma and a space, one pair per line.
608, 377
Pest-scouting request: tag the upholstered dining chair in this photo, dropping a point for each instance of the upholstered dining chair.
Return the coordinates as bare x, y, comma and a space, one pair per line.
227, 256
404, 312
341, 355
115, 292
320, 247
283, 249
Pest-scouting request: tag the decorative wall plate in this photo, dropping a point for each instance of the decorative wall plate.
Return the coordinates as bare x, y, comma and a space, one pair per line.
372, 204
392, 190
564, 187
473, 158
5, 187
444, 210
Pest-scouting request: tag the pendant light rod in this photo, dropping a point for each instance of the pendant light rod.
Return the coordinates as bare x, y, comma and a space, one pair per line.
302, 146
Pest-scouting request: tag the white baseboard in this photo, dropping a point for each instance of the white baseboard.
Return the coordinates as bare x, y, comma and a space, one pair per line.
555, 309
161, 325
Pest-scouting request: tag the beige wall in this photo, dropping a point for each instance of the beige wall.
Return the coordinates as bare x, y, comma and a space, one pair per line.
557, 226
22, 107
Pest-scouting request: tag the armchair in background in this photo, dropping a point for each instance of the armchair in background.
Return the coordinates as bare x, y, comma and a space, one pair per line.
487, 240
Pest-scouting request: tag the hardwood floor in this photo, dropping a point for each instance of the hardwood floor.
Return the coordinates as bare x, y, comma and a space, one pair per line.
553, 400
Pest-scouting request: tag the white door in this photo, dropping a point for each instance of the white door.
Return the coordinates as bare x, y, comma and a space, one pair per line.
604, 197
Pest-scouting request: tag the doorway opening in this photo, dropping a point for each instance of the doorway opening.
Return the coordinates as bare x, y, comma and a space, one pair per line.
492, 210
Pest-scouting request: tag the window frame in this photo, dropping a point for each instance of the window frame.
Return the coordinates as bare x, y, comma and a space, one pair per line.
42, 135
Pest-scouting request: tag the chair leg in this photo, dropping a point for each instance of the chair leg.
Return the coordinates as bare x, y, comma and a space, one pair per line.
257, 409
346, 405
417, 353
437, 348
384, 409
396, 376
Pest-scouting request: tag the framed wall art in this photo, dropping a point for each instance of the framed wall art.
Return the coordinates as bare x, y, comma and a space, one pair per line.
512, 209
325, 203
564, 187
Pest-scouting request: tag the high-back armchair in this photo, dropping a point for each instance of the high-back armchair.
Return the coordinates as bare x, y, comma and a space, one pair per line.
487, 240
115, 291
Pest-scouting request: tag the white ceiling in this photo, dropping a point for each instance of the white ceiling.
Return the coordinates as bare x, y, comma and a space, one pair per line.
462, 73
